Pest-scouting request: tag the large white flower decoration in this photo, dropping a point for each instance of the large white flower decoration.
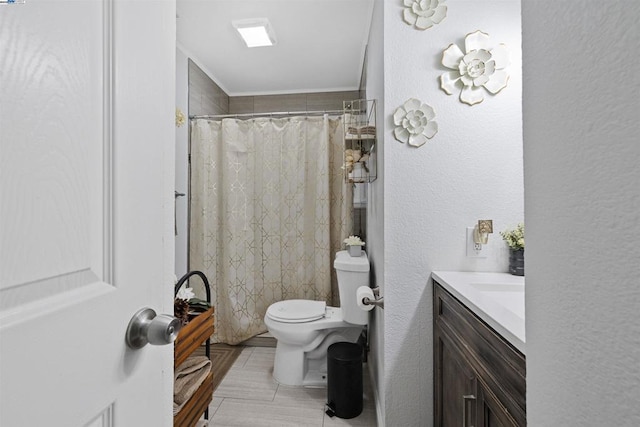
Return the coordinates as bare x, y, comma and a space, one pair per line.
476, 69
414, 121
424, 13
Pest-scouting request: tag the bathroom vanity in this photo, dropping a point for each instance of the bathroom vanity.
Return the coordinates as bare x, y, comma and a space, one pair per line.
479, 361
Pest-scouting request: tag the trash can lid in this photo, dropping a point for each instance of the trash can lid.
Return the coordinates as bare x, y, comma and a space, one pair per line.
345, 352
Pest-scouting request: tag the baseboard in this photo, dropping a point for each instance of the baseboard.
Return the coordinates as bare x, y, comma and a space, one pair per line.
376, 398
261, 341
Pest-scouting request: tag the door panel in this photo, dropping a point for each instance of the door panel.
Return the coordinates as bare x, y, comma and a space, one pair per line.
86, 217
53, 205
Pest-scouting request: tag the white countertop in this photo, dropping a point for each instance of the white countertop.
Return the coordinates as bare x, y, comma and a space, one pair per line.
497, 298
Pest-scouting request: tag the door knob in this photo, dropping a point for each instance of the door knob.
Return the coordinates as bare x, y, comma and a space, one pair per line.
147, 327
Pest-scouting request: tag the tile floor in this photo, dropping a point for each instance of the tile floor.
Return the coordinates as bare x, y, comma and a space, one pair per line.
249, 396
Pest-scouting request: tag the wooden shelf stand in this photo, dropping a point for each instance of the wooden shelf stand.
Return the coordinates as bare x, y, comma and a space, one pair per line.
190, 337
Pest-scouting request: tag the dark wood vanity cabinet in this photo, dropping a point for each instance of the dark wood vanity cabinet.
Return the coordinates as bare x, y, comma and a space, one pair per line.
479, 376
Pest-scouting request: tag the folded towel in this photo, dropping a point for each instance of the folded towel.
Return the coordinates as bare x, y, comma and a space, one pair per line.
187, 378
362, 130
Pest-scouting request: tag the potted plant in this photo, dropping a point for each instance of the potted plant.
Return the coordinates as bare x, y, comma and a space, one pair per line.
515, 241
354, 245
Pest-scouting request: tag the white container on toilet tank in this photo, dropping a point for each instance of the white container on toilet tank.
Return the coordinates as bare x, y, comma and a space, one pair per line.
352, 272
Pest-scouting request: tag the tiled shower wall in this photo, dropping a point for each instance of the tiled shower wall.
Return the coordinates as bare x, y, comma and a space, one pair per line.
323, 101
205, 96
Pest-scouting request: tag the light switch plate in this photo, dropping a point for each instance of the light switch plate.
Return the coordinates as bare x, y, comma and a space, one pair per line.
472, 247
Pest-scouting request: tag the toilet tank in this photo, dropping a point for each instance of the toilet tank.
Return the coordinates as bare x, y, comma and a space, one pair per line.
352, 272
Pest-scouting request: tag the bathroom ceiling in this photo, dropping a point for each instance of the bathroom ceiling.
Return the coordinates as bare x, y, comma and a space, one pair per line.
320, 44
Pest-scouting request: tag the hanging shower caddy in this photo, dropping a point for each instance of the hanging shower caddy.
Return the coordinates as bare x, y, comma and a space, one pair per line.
360, 137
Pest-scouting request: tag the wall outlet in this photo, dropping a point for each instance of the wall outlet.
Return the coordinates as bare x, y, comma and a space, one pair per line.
475, 250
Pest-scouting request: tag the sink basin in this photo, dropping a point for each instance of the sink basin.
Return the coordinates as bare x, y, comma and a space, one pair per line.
497, 298
509, 295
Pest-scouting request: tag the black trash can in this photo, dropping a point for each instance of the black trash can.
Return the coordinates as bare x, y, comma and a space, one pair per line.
344, 379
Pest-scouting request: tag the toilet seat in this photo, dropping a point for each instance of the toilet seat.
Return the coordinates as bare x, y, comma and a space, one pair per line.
297, 311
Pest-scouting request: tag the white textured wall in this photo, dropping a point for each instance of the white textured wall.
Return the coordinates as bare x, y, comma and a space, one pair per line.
472, 169
182, 164
375, 208
582, 186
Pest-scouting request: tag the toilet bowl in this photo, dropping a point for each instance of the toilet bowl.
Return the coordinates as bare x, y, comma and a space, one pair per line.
305, 329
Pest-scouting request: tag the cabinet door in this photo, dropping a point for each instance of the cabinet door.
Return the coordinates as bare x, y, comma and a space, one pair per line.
491, 412
455, 385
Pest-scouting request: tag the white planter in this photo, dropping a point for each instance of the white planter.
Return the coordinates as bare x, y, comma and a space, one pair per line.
358, 174
355, 250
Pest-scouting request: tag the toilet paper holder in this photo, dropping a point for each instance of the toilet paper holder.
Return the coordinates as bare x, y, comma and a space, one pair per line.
378, 301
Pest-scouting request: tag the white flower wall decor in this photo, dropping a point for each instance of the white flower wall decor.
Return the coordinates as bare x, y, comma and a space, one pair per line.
424, 13
414, 123
475, 70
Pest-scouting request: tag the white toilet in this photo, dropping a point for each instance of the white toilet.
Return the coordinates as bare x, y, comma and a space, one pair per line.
305, 329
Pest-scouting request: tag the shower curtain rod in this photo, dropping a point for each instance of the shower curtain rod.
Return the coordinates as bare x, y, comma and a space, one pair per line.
280, 113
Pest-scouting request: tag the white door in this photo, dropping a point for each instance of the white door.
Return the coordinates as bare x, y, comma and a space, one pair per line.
86, 210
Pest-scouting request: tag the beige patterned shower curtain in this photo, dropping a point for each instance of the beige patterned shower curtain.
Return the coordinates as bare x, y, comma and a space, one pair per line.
269, 209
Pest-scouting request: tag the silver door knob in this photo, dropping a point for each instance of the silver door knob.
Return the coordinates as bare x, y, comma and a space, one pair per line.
147, 327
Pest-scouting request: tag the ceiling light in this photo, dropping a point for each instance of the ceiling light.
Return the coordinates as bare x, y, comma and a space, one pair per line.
255, 32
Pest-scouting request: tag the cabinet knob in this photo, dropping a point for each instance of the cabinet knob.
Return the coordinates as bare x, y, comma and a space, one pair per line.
466, 398
147, 327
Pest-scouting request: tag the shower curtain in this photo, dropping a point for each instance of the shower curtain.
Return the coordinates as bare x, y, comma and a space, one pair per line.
269, 209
